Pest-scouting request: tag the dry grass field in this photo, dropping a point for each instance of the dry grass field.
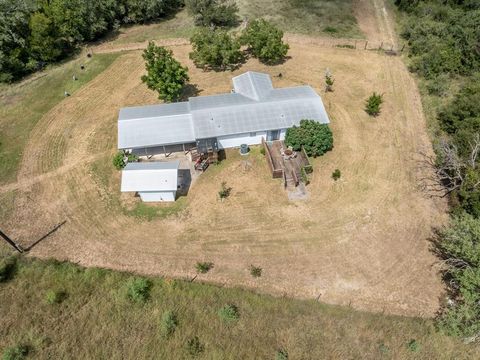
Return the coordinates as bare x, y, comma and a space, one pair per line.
361, 241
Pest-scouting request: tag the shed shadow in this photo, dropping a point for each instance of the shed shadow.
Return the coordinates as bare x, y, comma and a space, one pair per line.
184, 182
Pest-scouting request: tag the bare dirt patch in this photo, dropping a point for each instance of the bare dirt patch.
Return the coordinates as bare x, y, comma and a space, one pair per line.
361, 240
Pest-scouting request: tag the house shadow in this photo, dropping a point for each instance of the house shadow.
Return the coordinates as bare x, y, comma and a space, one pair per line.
184, 182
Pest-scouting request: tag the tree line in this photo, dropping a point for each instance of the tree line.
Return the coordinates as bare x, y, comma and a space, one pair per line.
34, 33
444, 48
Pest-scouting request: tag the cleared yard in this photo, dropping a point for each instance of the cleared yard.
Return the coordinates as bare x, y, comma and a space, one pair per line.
362, 240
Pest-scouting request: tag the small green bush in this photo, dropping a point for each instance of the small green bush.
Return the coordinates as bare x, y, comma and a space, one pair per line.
194, 347
373, 104
18, 352
118, 161
330, 30
255, 271
413, 345
224, 191
204, 267
308, 169
262, 150
55, 296
229, 313
7, 268
304, 176
336, 174
168, 323
281, 354
138, 289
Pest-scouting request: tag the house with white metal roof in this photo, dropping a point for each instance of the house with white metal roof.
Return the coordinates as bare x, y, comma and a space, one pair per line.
153, 181
254, 110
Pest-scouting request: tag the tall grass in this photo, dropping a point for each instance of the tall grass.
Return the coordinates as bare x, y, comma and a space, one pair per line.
97, 321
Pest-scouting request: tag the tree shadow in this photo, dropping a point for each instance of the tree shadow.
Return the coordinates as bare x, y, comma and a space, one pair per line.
189, 90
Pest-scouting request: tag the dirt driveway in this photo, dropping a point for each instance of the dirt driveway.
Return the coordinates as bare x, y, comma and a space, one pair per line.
360, 241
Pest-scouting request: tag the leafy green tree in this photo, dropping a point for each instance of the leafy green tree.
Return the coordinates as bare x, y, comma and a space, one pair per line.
164, 74
264, 41
316, 138
14, 33
459, 245
142, 11
44, 44
222, 13
374, 104
215, 49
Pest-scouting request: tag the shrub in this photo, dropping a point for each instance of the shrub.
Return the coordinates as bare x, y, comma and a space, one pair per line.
459, 245
255, 271
215, 49
264, 41
304, 176
329, 81
336, 174
373, 104
262, 150
168, 323
118, 160
413, 345
224, 191
316, 138
138, 289
204, 267
438, 86
55, 296
164, 74
213, 13
18, 352
281, 354
229, 313
194, 347
7, 268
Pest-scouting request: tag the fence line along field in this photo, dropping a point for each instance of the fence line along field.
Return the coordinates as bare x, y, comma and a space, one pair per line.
362, 240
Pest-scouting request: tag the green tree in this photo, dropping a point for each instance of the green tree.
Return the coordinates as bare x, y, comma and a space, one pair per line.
215, 49
142, 11
213, 13
373, 104
316, 138
264, 41
44, 44
164, 74
459, 245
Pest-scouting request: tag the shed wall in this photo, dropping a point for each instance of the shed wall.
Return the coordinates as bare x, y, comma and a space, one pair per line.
157, 196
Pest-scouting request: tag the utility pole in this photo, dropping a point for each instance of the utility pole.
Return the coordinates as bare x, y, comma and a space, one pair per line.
11, 242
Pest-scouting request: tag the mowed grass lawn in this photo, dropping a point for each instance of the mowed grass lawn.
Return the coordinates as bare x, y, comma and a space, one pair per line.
92, 317
23, 104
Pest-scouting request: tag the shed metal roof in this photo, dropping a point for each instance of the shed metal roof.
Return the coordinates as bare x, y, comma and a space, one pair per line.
150, 176
255, 106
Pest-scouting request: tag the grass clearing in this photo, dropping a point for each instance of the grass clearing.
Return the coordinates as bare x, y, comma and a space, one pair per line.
23, 104
96, 321
313, 17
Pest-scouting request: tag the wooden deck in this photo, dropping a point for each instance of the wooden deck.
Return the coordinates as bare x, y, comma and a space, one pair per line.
291, 169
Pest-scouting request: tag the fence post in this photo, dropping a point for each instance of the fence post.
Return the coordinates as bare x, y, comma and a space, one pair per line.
355, 44
381, 45
403, 47
366, 43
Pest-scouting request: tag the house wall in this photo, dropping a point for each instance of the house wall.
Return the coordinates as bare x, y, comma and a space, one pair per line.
236, 140
157, 196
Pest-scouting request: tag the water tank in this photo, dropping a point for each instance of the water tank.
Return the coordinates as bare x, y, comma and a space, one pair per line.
244, 149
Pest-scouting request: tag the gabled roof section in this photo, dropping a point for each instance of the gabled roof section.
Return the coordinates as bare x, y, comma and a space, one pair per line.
150, 176
154, 125
215, 101
253, 84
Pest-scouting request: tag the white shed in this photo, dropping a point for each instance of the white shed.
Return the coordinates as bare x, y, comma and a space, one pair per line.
153, 181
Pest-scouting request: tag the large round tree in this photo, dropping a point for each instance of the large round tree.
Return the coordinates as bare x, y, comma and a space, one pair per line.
264, 41
164, 74
316, 138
